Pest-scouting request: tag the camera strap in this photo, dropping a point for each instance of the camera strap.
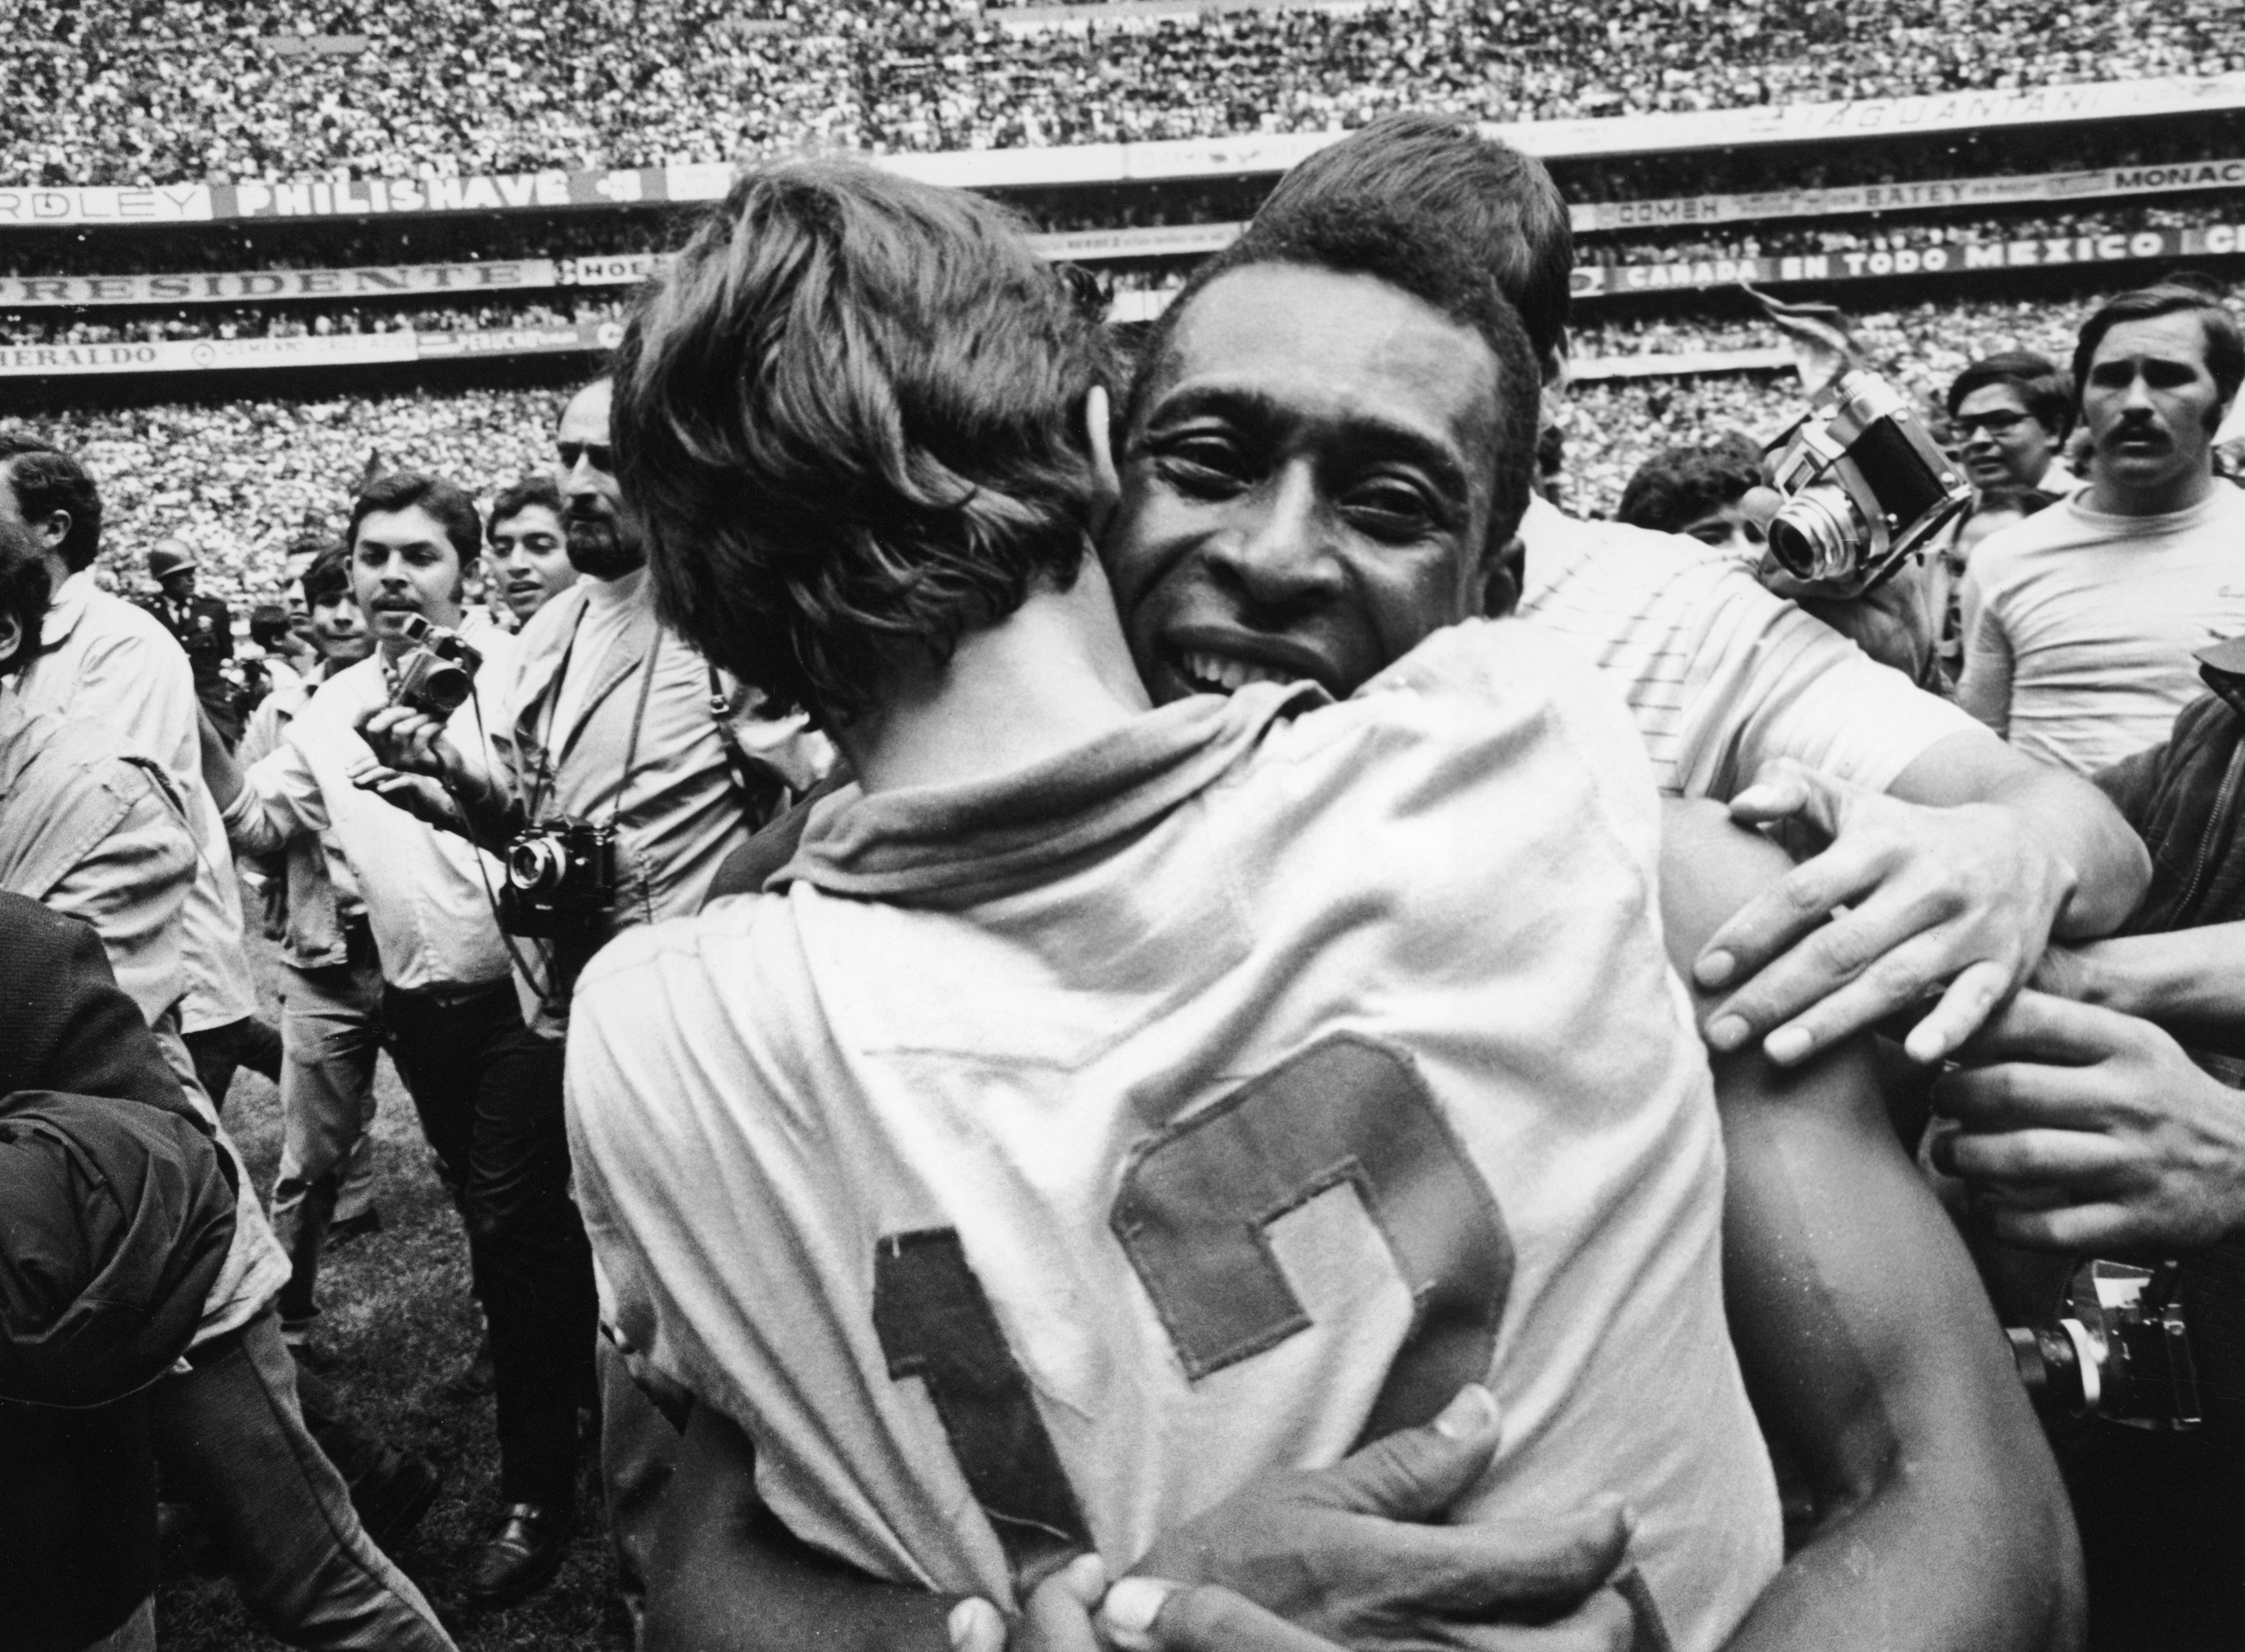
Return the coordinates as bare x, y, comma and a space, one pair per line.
639, 718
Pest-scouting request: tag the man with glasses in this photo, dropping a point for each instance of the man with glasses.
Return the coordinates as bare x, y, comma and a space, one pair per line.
2009, 415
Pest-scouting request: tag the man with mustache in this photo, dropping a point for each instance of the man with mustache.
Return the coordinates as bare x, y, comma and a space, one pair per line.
1035, 960
2090, 612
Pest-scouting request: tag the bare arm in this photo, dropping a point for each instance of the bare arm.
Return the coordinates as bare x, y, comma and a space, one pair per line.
1357, 1555
727, 1575
2190, 978
1869, 1348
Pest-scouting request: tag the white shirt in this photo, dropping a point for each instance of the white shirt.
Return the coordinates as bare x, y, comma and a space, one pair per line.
2084, 624
103, 658
427, 893
1720, 675
1119, 1024
608, 605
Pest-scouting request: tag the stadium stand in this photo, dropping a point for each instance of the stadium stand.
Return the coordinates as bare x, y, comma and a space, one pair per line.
103, 92
538, 158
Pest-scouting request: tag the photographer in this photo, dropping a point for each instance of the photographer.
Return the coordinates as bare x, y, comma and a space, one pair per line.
624, 775
487, 1092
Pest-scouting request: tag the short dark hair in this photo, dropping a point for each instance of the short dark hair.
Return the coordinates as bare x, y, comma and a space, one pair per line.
415, 489
531, 490
1396, 244
46, 479
2042, 388
1680, 485
1499, 205
307, 544
849, 416
327, 578
24, 593
2225, 348
269, 624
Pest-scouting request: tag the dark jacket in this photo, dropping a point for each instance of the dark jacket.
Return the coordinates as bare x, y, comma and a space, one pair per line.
116, 1212
204, 626
2185, 799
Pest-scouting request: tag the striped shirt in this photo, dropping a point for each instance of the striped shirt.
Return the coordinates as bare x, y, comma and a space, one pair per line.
1720, 675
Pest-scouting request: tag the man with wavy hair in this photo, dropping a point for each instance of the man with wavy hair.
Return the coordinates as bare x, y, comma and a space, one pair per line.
1110, 1106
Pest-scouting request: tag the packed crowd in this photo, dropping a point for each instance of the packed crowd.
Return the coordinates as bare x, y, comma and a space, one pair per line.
108, 92
237, 480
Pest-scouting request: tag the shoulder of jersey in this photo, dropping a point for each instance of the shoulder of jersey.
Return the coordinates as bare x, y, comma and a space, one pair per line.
673, 942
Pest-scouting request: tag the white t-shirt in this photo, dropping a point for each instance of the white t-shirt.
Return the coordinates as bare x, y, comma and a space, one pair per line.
2085, 623
1720, 675
1216, 1112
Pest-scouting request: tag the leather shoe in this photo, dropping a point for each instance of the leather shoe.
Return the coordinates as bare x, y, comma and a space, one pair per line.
522, 1555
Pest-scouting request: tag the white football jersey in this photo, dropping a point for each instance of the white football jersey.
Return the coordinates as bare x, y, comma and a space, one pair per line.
1059, 1152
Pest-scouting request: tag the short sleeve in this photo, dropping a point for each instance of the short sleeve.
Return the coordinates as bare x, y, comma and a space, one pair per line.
1773, 681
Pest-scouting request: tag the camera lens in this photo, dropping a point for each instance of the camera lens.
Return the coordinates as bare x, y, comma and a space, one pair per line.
536, 865
446, 687
1819, 534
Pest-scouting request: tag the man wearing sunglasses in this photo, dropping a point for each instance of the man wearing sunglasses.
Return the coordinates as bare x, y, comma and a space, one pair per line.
2009, 415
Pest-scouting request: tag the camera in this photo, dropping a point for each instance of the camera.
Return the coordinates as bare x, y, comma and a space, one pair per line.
561, 878
2120, 1350
436, 676
1865, 486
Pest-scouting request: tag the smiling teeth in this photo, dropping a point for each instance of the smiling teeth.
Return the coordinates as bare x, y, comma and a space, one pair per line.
1216, 673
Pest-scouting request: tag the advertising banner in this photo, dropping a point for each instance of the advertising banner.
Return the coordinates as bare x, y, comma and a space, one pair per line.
27, 208
2105, 182
203, 355
577, 337
1919, 257
386, 280
378, 197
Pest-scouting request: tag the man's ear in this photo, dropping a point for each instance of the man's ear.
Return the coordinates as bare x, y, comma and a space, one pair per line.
12, 638
1099, 443
53, 528
1502, 576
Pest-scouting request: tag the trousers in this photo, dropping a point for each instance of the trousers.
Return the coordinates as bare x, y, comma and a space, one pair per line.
252, 1042
488, 1091
331, 1031
639, 1453
230, 1436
